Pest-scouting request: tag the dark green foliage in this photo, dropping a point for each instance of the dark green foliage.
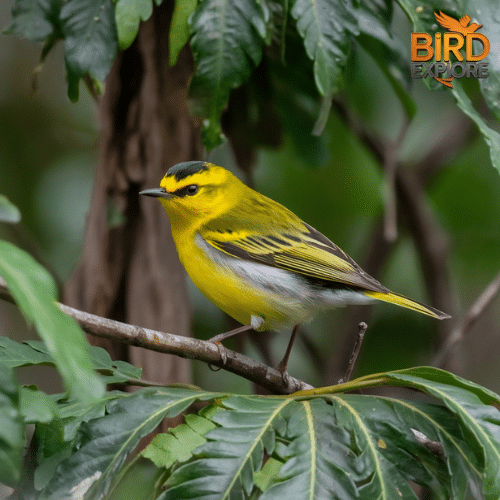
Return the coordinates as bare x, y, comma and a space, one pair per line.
229, 39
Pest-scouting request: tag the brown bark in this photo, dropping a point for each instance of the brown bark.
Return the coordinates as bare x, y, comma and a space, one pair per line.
130, 272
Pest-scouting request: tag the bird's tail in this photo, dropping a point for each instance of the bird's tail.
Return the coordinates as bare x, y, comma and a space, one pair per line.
403, 301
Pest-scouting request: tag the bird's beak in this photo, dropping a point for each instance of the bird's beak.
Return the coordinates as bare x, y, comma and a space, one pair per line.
156, 193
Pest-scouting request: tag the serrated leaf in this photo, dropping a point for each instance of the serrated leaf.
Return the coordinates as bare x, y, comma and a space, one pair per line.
8, 211
325, 26
11, 428
128, 15
227, 45
321, 443
178, 444
105, 442
232, 454
34, 291
492, 137
91, 40
179, 32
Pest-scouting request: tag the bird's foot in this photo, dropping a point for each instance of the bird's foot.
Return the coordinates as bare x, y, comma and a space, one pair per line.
222, 351
282, 368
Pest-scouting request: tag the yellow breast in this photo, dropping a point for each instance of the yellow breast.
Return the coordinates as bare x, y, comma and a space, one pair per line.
225, 289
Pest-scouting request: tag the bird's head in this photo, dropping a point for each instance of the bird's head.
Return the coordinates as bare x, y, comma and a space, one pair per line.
195, 189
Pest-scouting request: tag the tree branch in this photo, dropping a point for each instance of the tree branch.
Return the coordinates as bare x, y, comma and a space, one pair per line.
184, 347
472, 315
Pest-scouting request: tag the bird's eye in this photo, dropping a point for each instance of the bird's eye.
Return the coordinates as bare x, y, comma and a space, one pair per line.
191, 190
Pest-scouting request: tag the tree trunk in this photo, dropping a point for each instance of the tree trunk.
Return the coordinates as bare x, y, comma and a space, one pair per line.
129, 270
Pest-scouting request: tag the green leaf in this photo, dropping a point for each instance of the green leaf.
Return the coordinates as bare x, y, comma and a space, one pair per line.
33, 352
179, 32
227, 45
266, 477
113, 372
8, 211
58, 440
318, 459
14, 354
421, 14
439, 425
178, 444
480, 422
34, 291
91, 40
233, 452
11, 428
140, 480
128, 15
36, 406
325, 26
315, 444
486, 13
104, 443
30, 20
492, 137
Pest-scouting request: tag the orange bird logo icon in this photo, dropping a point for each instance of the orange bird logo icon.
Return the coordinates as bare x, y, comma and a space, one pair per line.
460, 26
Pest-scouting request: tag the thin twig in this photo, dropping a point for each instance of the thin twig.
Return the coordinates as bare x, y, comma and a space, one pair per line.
184, 347
355, 353
472, 315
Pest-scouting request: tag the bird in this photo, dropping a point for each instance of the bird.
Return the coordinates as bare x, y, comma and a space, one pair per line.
255, 259
452, 24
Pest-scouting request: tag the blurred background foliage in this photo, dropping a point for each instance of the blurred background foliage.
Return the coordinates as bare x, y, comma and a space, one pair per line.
47, 164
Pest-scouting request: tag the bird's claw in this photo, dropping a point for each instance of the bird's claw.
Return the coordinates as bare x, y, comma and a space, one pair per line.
284, 374
223, 356
222, 352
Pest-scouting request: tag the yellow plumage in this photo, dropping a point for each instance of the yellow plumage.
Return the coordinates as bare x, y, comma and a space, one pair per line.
254, 258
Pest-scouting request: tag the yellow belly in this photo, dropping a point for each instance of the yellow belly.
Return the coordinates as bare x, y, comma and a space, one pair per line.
228, 291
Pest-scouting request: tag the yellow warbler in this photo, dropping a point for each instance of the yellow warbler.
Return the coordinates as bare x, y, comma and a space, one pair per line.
257, 260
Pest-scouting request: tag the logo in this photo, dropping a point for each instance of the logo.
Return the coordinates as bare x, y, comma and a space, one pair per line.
442, 58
